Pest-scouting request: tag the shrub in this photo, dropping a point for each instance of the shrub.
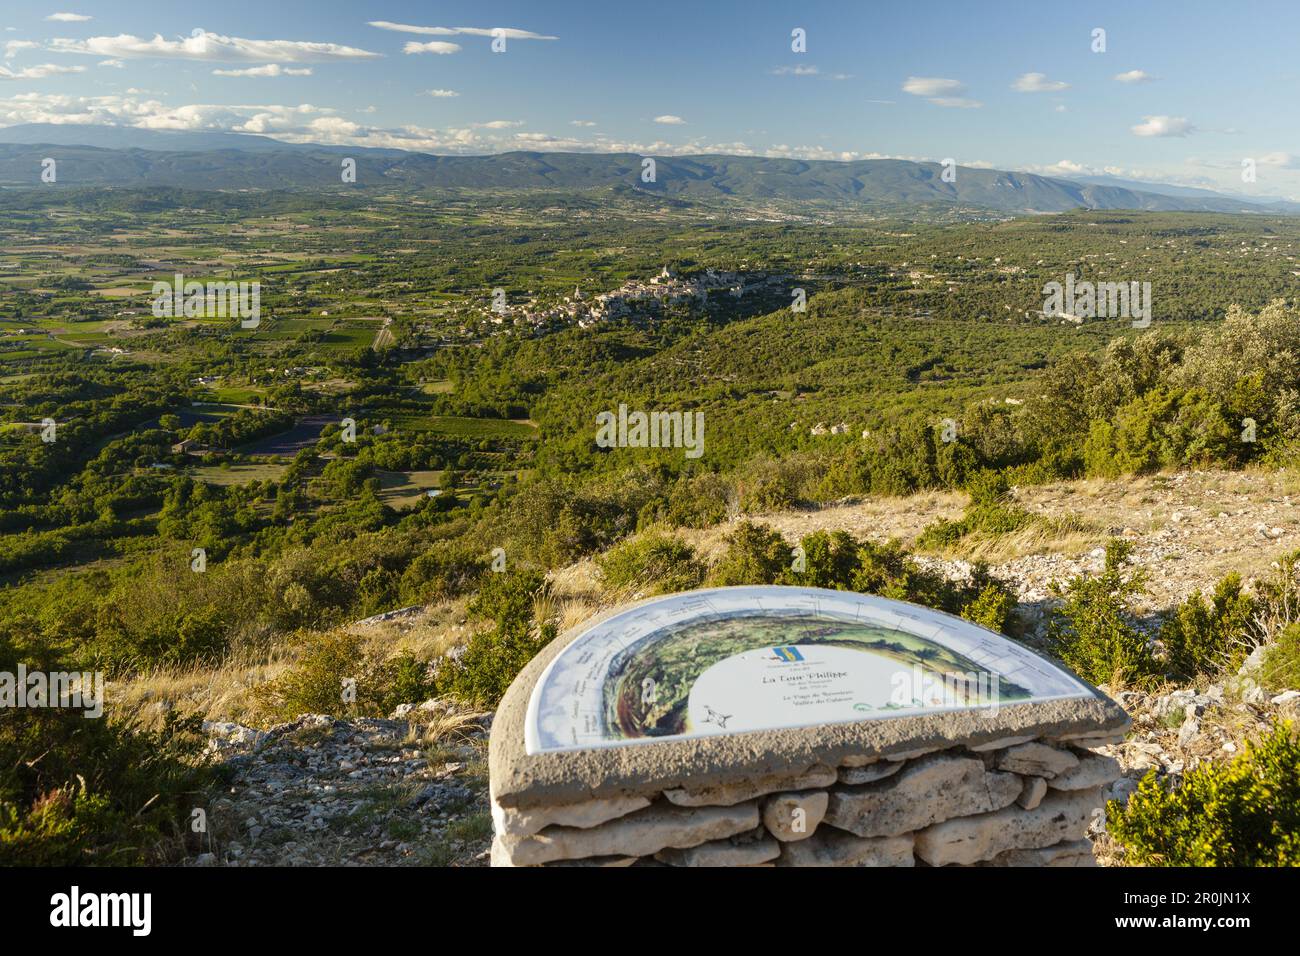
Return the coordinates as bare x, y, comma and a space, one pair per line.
1243, 813
1201, 639
993, 607
491, 659
989, 512
756, 554
335, 675
830, 559
1280, 669
768, 485
1092, 632
697, 502
650, 564
77, 791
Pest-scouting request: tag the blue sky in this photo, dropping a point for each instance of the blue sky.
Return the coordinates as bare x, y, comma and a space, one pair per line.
1183, 92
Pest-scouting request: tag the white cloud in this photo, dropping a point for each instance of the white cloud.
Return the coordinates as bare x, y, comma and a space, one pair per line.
116, 64
439, 47
669, 120
1134, 76
581, 123
1279, 160
271, 69
500, 124
13, 47
932, 86
69, 17
508, 33
796, 71
441, 94
38, 72
1163, 126
1037, 83
211, 46
940, 91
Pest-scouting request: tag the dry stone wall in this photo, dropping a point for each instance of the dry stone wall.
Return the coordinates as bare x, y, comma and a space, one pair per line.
1009, 785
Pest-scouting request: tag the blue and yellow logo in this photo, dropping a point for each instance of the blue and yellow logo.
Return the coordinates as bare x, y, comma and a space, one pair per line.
787, 654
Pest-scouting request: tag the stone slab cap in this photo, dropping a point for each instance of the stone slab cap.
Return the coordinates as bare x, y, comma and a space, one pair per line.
525, 774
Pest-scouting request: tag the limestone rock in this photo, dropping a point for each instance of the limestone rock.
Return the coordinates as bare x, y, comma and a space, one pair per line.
1002, 744
726, 796
831, 847
911, 754
516, 822
794, 816
856, 776
723, 853
643, 833
1032, 794
1093, 770
614, 862
933, 788
1091, 739
1063, 815
1036, 759
1069, 853
858, 760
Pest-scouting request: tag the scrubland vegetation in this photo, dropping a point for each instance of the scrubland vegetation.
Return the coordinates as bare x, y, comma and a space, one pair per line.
130, 544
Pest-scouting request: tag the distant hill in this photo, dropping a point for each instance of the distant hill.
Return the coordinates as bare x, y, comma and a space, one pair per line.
111, 156
125, 137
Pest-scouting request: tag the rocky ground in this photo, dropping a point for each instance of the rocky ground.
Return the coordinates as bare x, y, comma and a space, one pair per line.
1188, 529
410, 790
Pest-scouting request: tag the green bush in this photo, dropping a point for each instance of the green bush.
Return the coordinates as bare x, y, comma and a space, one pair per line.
993, 607
78, 791
989, 512
1243, 813
335, 675
775, 484
650, 564
756, 554
1280, 669
1202, 640
1093, 632
491, 659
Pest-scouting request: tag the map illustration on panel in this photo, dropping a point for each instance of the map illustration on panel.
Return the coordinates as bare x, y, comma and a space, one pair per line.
740, 659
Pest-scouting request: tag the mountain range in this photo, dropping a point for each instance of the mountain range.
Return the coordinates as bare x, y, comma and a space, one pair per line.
120, 156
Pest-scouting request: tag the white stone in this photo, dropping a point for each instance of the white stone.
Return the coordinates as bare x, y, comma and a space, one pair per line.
933, 788
643, 833
1069, 853
831, 847
1093, 770
1002, 744
856, 776
858, 760
1035, 788
1036, 759
794, 816
512, 821
1063, 815
723, 853
726, 796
